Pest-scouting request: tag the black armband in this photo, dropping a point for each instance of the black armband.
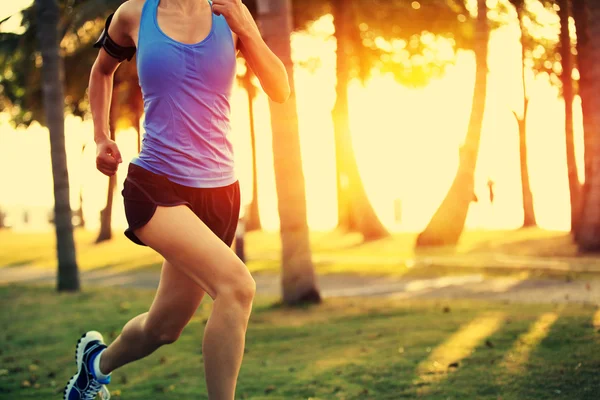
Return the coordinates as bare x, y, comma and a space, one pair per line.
113, 49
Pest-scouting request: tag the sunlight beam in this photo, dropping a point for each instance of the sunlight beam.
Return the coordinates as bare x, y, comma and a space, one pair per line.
518, 356
436, 367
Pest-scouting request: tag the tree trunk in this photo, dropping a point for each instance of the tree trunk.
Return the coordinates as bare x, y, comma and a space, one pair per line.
299, 282
106, 214
567, 86
131, 101
355, 212
588, 238
138, 112
585, 93
79, 212
528, 209
252, 220
53, 81
447, 224
138, 131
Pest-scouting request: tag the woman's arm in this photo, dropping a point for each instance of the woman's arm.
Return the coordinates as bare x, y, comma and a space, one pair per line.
266, 65
100, 92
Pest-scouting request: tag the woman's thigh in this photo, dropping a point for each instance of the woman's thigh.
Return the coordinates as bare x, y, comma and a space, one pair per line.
189, 245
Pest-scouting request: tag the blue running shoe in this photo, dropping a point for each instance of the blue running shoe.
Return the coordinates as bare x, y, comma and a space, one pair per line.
84, 385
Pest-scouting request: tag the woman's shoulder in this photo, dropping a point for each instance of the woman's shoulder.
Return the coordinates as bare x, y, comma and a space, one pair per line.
130, 11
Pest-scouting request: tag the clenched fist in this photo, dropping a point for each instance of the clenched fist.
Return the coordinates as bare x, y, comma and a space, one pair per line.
235, 13
108, 157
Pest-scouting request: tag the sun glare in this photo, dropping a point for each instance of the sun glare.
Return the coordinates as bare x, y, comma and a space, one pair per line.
406, 142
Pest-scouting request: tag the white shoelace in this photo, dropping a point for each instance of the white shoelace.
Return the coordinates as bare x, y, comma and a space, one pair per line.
95, 388
104, 393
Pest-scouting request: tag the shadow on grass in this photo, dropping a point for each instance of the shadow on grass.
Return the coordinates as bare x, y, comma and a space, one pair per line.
352, 356
563, 364
19, 263
535, 357
107, 275
434, 251
558, 366
126, 267
476, 376
551, 244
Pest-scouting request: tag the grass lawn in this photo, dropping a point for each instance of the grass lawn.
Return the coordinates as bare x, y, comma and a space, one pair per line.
343, 349
332, 251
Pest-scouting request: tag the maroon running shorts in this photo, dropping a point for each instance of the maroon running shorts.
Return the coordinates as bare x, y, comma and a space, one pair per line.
143, 191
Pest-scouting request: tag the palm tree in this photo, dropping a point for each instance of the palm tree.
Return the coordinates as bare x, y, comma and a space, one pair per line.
53, 81
528, 210
588, 238
252, 218
79, 212
585, 93
106, 213
355, 212
397, 19
298, 276
567, 89
131, 102
448, 222
126, 105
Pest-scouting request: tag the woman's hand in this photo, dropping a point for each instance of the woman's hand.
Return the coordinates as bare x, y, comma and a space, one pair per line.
234, 13
108, 157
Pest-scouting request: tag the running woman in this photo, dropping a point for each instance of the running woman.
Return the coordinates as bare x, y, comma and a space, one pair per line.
181, 194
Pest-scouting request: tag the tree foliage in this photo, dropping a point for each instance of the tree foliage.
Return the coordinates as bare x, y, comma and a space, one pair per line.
81, 21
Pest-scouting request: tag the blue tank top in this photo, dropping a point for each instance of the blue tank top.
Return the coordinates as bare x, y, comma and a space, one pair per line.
186, 90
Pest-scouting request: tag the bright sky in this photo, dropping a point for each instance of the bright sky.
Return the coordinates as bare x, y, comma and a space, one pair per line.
9, 8
406, 144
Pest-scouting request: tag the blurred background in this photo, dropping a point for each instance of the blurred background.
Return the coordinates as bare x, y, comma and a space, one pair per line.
409, 74
433, 149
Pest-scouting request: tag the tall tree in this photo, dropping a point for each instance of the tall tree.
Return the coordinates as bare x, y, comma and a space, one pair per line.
355, 212
358, 28
299, 282
588, 238
448, 222
126, 108
106, 213
252, 218
22, 86
585, 92
567, 90
131, 102
79, 211
53, 81
527, 196
76, 35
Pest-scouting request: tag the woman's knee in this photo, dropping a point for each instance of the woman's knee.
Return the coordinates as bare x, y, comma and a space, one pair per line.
240, 291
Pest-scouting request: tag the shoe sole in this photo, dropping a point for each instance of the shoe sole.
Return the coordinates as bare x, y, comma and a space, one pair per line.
79, 350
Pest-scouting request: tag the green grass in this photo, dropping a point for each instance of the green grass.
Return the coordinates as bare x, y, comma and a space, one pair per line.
332, 251
343, 349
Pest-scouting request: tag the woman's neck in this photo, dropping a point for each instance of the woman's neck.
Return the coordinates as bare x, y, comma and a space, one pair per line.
187, 6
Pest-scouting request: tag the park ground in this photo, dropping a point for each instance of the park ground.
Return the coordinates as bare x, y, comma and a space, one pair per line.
501, 316
350, 348
333, 253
